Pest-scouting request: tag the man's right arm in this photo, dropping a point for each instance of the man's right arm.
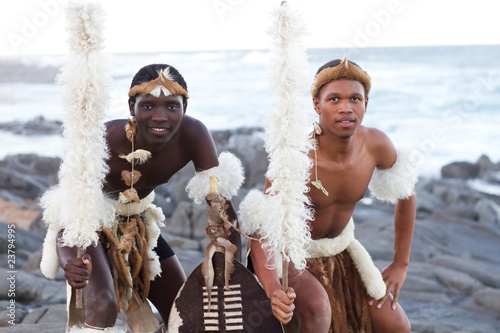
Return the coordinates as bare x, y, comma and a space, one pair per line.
76, 270
281, 302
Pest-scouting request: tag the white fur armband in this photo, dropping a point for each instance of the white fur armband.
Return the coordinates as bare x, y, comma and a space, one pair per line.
229, 172
395, 183
260, 214
254, 212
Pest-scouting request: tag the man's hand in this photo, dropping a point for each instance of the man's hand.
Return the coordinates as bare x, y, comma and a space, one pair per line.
394, 276
282, 304
77, 271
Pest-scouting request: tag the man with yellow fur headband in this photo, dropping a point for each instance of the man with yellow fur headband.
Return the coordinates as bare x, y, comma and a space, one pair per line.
341, 290
130, 261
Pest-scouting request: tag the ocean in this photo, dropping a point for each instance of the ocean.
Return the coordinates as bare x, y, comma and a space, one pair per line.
442, 100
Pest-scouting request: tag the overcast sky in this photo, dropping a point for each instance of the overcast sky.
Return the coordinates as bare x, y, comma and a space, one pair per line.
38, 27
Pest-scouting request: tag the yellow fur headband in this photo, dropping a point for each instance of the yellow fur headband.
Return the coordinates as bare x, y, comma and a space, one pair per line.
163, 82
344, 70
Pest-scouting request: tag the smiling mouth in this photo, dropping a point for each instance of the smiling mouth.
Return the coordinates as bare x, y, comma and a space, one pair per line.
158, 129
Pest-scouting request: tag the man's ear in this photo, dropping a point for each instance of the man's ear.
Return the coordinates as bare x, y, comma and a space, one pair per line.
366, 103
131, 106
316, 105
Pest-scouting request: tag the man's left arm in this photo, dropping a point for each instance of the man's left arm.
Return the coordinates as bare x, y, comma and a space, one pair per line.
395, 274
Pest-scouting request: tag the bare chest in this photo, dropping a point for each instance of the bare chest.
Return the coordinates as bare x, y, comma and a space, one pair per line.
345, 183
155, 171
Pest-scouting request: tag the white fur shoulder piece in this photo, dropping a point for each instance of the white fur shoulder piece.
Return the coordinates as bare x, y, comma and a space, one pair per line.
254, 212
395, 183
229, 172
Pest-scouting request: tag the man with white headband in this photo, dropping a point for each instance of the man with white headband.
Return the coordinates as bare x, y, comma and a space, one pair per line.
131, 261
341, 290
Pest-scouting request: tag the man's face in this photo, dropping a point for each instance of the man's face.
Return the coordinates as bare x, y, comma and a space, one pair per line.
341, 106
158, 119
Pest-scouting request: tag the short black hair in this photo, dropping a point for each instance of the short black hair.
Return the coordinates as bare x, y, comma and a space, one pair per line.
150, 72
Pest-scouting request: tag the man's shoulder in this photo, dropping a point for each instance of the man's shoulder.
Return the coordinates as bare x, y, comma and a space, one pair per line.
381, 146
115, 124
115, 128
193, 127
376, 138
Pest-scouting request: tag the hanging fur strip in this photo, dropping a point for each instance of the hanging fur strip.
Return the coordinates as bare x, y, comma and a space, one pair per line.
348, 299
397, 182
153, 218
127, 250
83, 208
218, 230
230, 177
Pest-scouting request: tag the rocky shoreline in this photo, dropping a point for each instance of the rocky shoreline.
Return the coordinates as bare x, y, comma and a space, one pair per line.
452, 285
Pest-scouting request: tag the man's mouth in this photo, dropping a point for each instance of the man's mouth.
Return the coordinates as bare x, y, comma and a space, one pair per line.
158, 129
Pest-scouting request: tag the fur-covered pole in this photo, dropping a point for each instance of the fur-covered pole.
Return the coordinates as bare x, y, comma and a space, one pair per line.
85, 99
287, 142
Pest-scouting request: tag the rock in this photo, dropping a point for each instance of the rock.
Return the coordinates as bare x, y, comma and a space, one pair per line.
457, 280
419, 284
28, 175
487, 211
12, 315
486, 273
461, 170
488, 171
489, 298
22, 214
188, 220
32, 288
24, 239
181, 242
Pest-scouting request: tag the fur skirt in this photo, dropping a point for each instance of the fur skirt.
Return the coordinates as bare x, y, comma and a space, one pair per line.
346, 291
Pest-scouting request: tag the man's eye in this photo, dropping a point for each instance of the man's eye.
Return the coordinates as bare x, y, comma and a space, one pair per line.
147, 107
172, 107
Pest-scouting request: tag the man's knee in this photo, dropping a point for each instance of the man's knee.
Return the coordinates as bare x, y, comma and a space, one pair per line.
400, 325
317, 313
404, 325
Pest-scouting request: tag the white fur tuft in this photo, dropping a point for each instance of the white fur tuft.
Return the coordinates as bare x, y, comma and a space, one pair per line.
229, 174
254, 212
49, 264
287, 141
395, 183
85, 98
370, 275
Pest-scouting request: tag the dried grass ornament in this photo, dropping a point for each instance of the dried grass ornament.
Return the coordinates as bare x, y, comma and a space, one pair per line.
317, 183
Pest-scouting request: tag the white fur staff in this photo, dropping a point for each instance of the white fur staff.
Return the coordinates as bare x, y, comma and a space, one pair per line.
287, 141
85, 99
